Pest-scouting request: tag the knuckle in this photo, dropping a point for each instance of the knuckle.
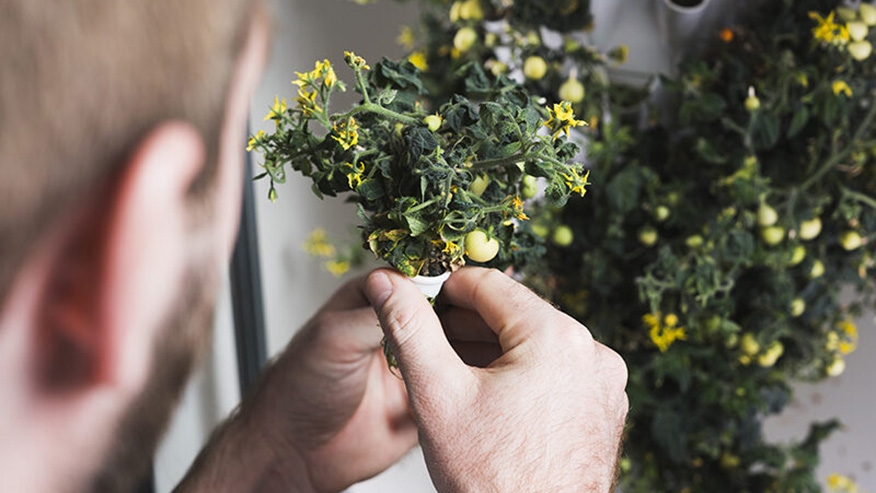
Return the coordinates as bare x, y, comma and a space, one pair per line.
399, 323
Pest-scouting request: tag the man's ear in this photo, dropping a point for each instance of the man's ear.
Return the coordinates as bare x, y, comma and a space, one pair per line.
116, 271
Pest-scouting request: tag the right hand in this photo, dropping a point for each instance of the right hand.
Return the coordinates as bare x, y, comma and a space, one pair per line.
547, 411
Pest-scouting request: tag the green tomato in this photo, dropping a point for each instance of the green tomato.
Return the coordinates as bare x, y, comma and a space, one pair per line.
433, 122
749, 345
661, 213
752, 103
798, 306
534, 67
857, 30
817, 270
471, 10
563, 236
479, 247
846, 14
530, 187
797, 255
648, 236
810, 229
851, 240
479, 185
541, 230
773, 235
766, 215
860, 50
694, 241
572, 91
868, 13
772, 354
836, 367
464, 39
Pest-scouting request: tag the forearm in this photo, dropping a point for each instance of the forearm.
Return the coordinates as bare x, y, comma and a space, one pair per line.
238, 457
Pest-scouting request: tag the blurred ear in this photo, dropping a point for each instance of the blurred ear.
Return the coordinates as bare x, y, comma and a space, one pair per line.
117, 269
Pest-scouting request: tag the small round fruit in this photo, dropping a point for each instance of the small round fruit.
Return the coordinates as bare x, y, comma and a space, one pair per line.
648, 236
464, 39
752, 103
661, 213
846, 14
798, 306
772, 354
729, 461
479, 185
433, 122
563, 236
766, 216
851, 240
541, 230
868, 13
529, 187
471, 10
534, 67
797, 255
836, 367
479, 247
773, 235
860, 50
749, 345
817, 269
857, 30
572, 91
694, 241
810, 229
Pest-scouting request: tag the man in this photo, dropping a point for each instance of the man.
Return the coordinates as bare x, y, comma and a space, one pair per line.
121, 127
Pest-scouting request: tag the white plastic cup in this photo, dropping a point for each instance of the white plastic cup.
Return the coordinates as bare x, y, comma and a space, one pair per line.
430, 286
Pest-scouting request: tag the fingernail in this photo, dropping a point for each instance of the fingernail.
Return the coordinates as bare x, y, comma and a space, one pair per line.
378, 287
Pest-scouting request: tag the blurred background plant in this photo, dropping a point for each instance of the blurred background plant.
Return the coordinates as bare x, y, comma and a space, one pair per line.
735, 201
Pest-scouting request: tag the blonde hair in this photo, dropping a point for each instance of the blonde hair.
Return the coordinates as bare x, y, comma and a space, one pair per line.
84, 80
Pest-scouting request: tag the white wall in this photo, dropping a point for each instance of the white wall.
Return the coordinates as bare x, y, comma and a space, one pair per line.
295, 285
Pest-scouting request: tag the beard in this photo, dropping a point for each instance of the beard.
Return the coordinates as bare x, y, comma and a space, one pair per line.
181, 341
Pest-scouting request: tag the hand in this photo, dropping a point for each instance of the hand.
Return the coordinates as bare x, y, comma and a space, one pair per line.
547, 411
330, 401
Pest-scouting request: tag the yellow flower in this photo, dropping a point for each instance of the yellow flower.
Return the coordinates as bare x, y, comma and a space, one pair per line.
577, 183
317, 244
254, 140
450, 248
418, 58
307, 102
517, 205
829, 31
620, 53
354, 177
840, 86
355, 61
337, 267
277, 110
321, 69
846, 340
562, 118
348, 135
406, 38
663, 335
837, 483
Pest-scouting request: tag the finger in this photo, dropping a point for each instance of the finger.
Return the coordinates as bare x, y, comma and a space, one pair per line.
512, 311
477, 354
348, 297
350, 333
414, 333
462, 324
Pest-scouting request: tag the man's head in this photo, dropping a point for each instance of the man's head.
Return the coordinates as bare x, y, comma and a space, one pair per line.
121, 129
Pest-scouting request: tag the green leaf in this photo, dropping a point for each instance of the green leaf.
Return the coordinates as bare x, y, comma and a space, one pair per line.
765, 130
798, 121
708, 152
623, 190
416, 224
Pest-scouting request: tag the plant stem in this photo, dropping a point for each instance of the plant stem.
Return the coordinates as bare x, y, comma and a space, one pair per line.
380, 110
860, 197
360, 79
501, 161
837, 157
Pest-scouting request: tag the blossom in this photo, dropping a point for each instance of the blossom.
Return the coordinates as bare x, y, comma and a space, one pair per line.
277, 110
322, 70
562, 118
418, 58
354, 177
347, 133
257, 138
840, 86
406, 38
517, 206
337, 267
576, 182
837, 483
317, 244
355, 61
726, 35
829, 31
307, 102
664, 332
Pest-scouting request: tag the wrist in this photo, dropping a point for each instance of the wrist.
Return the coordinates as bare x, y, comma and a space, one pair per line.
242, 456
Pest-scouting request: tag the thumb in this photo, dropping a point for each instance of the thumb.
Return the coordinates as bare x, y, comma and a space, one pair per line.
414, 333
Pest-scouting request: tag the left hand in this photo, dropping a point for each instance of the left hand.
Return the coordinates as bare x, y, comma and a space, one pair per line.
330, 401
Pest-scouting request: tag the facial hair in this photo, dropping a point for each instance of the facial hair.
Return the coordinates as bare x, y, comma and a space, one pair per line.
182, 340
